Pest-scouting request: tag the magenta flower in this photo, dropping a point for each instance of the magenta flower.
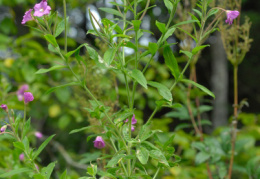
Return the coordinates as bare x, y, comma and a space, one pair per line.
38, 135
21, 91
99, 142
3, 128
134, 121
132, 128
4, 107
231, 15
21, 157
28, 97
41, 9
27, 16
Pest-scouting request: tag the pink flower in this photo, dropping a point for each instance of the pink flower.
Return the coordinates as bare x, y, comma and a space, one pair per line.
99, 142
134, 121
231, 15
3, 128
21, 91
27, 16
132, 128
28, 97
21, 157
4, 107
41, 9
38, 135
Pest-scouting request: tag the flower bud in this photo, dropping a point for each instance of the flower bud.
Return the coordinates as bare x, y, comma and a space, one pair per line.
21, 157
38, 135
28, 97
3, 128
4, 107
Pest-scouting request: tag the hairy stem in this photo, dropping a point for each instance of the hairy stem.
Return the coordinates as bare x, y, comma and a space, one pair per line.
234, 123
65, 24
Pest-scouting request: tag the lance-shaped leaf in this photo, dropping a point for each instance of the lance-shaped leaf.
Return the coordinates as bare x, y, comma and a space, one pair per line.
197, 49
163, 90
14, 172
142, 154
56, 67
139, 77
61, 86
51, 39
42, 146
116, 159
203, 88
171, 61
109, 55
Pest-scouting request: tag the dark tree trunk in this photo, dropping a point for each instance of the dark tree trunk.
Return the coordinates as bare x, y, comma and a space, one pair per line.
219, 82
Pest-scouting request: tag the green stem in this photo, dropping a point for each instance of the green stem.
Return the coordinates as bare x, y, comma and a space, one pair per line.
155, 175
152, 115
65, 24
121, 162
24, 118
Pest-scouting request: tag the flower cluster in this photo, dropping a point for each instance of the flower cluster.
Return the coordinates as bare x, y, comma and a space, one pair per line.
21, 90
134, 121
40, 10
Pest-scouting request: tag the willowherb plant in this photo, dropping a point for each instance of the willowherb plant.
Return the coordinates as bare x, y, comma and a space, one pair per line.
130, 154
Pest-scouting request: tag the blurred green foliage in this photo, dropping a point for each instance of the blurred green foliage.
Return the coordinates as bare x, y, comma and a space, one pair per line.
62, 111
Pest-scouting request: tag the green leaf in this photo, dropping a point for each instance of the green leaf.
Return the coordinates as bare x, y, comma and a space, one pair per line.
142, 154
92, 53
212, 12
81, 129
116, 159
163, 90
74, 51
185, 22
136, 24
161, 26
61, 86
139, 77
109, 55
186, 32
111, 11
116, 28
41, 71
197, 49
171, 62
51, 39
64, 175
14, 172
19, 145
168, 5
168, 34
153, 47
201, 157
42, 146
198, 12
60, 27
158, 155
187, 53
38, 176
47, 171
203, 88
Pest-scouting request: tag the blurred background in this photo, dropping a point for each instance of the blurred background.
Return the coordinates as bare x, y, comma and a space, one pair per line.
23, 51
